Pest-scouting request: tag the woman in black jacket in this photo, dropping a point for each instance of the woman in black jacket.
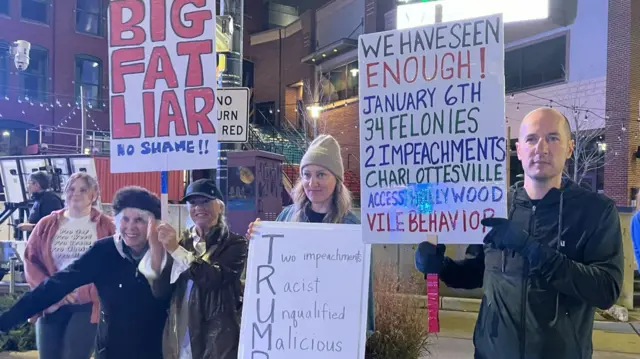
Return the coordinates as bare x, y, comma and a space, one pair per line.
131, 317
202, 273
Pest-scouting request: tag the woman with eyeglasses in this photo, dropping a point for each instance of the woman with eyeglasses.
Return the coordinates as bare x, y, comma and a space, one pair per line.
67, 329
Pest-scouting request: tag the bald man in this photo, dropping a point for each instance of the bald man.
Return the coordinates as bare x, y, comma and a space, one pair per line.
546, 268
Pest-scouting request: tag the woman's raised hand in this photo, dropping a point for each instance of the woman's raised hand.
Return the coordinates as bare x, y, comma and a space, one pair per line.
252, 230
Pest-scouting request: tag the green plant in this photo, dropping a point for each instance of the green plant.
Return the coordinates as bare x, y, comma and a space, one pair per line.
21, 338
400, 325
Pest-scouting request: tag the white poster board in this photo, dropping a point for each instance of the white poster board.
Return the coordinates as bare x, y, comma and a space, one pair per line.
162, 85
306, 292
433, 149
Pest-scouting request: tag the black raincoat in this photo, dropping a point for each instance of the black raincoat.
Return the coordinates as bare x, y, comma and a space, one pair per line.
215, 299
545, 309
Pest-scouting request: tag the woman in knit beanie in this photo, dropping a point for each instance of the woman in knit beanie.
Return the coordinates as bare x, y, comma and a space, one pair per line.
320, 195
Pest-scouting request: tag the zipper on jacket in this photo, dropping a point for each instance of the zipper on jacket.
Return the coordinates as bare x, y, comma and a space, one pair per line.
525, 280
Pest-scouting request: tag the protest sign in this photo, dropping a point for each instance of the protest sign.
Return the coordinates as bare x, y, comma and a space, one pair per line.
306, 292
433, 150
162, 73
233, 114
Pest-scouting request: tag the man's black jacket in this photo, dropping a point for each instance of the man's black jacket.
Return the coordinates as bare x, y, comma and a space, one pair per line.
44, 203
545, 309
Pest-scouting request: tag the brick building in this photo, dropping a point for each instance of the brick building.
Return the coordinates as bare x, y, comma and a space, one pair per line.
68, 50
622, 172
307, 71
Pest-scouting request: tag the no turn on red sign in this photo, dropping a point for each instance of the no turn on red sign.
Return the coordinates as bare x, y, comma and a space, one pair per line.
233, 114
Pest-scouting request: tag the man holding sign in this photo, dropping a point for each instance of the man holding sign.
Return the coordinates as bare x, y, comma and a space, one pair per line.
547, 267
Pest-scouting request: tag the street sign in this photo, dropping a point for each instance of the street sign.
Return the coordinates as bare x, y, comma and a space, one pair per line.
233, 114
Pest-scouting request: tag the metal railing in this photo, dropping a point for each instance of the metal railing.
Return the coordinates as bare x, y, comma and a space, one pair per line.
66, 140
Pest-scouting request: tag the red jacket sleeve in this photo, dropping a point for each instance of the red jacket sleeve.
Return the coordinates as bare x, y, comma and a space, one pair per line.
35, 271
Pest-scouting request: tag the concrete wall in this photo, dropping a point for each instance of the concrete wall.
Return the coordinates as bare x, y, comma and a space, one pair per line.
586, 70
337, 20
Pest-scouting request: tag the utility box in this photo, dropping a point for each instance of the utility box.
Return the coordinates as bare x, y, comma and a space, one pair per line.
254, 188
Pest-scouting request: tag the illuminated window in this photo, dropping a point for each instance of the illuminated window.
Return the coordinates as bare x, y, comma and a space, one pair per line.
340, 83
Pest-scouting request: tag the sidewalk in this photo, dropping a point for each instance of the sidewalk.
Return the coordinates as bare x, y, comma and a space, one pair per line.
441, 348
451, 348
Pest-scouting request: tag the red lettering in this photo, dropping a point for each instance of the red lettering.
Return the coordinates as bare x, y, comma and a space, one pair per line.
413, 223
487, 213
443, 222
117, 27
170, 111
196, 18
387, 70
448, 72
371, 74
453, 219
371, 219
424, 68
149, 113
160, 67
474, 220
194, 49
462, 64
120, 129
199, 118
415, 68
158, 20
118, 57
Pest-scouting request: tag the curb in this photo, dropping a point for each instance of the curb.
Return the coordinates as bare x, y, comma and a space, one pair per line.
458, 317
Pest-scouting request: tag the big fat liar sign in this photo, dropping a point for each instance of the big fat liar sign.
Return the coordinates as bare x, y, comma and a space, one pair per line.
163, 80
433, 149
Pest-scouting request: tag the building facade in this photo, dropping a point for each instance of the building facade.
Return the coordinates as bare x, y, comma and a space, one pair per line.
68, 52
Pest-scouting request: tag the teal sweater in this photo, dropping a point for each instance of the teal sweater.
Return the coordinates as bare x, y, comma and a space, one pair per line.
287, 216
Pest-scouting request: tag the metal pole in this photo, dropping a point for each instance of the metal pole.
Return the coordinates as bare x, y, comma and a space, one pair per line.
231, 76
12, 275
83, 126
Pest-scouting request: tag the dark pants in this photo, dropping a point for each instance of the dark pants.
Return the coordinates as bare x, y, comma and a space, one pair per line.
66, 333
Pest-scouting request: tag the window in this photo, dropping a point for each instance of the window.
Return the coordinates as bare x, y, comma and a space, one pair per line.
4, 68
89, 17
34, 78
35, 10
537, 64
89, 76
4, 7
340, 83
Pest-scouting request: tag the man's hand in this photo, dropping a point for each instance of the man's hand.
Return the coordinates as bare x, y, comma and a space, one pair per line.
26, 226
430, 258
505, 235
168, 237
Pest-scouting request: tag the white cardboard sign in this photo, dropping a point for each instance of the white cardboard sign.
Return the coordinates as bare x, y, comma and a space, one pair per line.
433, 145
306, 292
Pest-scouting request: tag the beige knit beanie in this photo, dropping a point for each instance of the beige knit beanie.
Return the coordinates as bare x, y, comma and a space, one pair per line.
324, 151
